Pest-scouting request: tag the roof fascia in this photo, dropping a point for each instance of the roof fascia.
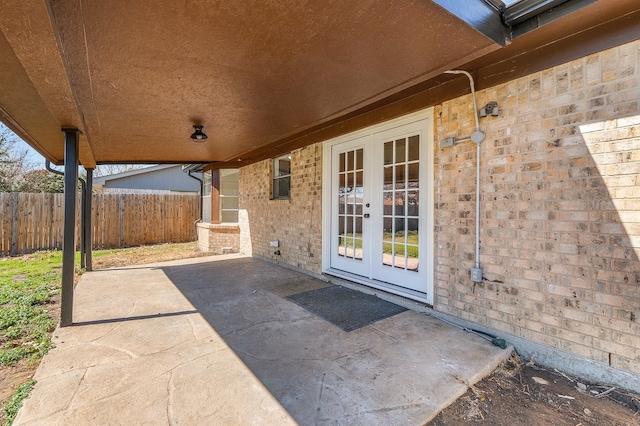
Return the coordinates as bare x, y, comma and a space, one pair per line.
479, 15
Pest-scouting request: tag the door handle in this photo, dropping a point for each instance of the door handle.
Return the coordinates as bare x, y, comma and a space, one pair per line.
366, 215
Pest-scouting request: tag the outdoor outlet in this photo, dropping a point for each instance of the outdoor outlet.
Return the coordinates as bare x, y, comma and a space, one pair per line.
275, 243
476, 275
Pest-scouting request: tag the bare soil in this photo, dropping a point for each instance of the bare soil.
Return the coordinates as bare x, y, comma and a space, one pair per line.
527, 394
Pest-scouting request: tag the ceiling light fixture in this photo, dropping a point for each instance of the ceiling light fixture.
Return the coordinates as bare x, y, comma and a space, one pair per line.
198, 135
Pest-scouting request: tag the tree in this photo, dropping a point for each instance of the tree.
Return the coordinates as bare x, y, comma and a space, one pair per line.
40, 181
112, 169
12, 162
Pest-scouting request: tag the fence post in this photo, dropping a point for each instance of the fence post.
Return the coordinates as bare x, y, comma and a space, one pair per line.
15, 223
121, 215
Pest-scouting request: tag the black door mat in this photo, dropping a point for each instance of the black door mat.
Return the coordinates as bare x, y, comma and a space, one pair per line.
345, 308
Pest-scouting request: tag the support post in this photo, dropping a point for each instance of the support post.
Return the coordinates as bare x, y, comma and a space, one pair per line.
83, 219
89, 220
215, 196
68, 232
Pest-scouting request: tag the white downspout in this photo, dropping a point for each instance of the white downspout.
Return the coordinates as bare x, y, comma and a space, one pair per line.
477, 137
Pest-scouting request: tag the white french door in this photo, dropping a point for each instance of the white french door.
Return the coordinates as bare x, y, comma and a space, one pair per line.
379, 208
350, 217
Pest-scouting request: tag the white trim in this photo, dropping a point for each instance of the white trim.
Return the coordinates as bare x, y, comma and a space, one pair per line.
387, 287
426, 114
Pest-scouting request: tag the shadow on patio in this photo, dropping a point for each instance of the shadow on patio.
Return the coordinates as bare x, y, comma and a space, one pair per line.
213, 340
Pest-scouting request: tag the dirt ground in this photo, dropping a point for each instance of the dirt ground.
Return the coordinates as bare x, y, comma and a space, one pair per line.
515, 394
525, 394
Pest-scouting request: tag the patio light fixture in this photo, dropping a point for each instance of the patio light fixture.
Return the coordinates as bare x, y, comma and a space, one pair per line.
490, 109
198, 135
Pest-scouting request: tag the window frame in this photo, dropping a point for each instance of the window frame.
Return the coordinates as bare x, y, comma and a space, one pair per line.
224, 195
277, 176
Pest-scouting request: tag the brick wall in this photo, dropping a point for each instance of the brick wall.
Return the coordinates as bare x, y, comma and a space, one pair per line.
560, 208
218, 239
296, 223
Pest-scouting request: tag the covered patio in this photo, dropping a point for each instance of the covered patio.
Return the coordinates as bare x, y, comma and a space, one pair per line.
214, 339
271, 90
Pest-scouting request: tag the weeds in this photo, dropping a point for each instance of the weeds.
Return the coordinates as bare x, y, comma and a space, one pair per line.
14, 404
27, 284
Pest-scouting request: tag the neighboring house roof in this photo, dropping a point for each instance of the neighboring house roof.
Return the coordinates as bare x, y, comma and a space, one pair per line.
162, 177
143, 170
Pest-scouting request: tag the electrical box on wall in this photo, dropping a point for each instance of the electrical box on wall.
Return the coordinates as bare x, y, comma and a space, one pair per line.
274, 243
476, 275
445, 143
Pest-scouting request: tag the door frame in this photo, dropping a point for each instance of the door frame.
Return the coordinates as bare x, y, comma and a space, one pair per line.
426, 114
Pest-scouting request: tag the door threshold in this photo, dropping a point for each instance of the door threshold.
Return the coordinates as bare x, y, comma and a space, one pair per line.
375, 284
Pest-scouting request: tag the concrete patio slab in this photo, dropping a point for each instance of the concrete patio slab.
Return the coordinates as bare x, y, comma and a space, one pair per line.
214, 341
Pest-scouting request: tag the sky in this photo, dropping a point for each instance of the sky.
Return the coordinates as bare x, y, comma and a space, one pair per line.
33, 157
36, 161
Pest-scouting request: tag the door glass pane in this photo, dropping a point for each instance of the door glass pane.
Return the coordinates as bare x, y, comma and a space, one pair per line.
359, 161
413, 203
357, 248
388, 153
399, 231
401, 180
399, 203
387, 254
388, 178
387, 203
359, 183
412, 229
400, 151
414, 148
412, 258
401, 206
399, 260
350, 204
413, 176
387, 234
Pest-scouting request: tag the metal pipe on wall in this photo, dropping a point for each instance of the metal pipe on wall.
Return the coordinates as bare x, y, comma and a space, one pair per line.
477, 137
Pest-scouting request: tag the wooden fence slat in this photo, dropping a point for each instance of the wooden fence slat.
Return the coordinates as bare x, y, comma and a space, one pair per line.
30, 222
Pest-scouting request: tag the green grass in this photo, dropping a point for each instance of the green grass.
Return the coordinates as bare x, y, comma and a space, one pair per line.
27, 284
387, 246
14, 404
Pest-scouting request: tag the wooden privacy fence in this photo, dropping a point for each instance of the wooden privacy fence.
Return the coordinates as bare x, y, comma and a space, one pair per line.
30, 222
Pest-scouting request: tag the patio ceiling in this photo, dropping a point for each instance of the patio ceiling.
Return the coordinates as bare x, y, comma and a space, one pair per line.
135, 76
